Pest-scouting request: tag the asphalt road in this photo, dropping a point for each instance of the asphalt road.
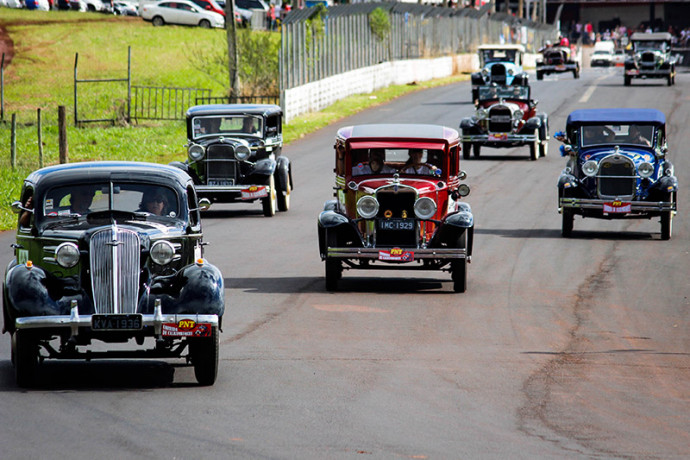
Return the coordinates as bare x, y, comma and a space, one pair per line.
560, 348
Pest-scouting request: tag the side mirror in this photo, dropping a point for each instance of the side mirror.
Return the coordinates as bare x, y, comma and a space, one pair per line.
533, 103
17, 207
462, 175
204, 204
566, 150
559, 136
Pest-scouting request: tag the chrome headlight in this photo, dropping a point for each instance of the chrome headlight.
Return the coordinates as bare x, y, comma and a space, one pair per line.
162, 252
485, 71
511, 72
67, 255
425, 208
196, 152
645, 169
518, 114
482, 113
367, 207
242, 152
590, 168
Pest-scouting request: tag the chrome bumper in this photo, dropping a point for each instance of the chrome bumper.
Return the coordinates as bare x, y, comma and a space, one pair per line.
373, 253
508, 139
558, 68
648, 72
635, 206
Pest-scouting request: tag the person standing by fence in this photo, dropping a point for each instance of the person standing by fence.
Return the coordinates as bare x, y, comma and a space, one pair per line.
271, 17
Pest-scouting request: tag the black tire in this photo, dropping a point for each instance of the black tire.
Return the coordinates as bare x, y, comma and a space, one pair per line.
466, 147
544, 139
25, 351
540, 75
334, 268
204, 352
567, 226
534, 148
269, 203
666, 225
157, 21
626, 80
543, 148
477, 148
576, 73
669, 80
283, 194
458, 267
205, 24
475, 94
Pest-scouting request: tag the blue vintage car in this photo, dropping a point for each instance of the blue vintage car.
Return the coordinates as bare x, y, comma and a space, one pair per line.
501, 65
617, 167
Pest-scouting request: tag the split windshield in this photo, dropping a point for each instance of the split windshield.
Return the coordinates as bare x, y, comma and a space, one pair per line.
415, 161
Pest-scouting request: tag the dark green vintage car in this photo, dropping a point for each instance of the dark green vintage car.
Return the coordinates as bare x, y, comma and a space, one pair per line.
111, 252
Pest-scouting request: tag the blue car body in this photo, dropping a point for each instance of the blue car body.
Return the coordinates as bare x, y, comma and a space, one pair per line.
501, 65
617, 167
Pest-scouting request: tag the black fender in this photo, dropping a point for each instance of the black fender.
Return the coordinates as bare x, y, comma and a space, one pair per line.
477, 79
663, 187
468, 123
570, 187
521, 79
283, 173
344, 229
452, 226
265, 167
532, 124
26, 293
196, 289
185, 167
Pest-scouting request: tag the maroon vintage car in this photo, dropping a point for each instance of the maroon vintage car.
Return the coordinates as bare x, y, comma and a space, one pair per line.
397, 203
505, 117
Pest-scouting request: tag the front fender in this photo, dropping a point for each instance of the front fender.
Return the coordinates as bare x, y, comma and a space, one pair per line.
343, 231
264, 167
468, 123
26, 294
532, 124
283, 173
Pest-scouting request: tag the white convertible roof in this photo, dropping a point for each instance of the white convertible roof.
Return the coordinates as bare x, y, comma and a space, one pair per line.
501, 47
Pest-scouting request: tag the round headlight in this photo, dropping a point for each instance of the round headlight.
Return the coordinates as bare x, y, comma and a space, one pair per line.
511, 72
482, 113
67, 255
425, 208
485, 72
518, 114
645, 169
196, 152
367, 207
242, 152
463, 189
590, 168
162, 252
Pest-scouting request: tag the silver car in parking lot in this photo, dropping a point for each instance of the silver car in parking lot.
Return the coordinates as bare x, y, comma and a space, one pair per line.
180, 12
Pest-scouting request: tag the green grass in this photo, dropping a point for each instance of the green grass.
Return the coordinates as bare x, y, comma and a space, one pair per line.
41, 76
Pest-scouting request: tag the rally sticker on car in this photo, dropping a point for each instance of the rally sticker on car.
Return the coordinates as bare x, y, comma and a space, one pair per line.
396, 255
498, 137
186, 328
254, 192
617, 207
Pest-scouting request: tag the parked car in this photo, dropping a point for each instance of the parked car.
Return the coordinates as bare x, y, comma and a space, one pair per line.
235, 155
619, 57
500, 64
602, 57
397, 203
506, 116
182, 12
651, 58
617, 167
557, 59
125, 8
41, 5
109, 252
210, 5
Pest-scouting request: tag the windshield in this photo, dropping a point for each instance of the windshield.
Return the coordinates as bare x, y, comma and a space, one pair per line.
615, 134
232, 125
649, 45
505, 92
402, 161
80, 200
498, 56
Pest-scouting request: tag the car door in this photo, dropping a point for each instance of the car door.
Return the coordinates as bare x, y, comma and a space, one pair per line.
188, 14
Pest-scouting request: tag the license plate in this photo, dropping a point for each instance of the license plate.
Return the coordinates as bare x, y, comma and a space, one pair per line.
254, 192
560, 67
396, 224
116, 322
498, 137
617, 208
221, 182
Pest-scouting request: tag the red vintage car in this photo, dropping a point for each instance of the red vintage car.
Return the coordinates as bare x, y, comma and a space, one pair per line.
506, 117
397, 203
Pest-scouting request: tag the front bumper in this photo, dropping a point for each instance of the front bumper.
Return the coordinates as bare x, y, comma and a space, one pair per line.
506, 139
648, 73
417, 253
633, 207
233, 192
548, 68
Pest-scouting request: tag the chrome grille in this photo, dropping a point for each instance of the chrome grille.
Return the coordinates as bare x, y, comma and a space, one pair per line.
114, 256
221, 163
398, 204
617, 177
500, 120
498, 73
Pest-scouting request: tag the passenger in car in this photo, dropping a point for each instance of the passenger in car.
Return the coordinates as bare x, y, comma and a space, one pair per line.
155, 202
376, 164
414, 164
636, 137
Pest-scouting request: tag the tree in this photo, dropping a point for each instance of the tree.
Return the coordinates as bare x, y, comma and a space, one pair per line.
233, 53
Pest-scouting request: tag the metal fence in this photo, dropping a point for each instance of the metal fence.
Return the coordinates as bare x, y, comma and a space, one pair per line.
317, 44
239, 100
164, 103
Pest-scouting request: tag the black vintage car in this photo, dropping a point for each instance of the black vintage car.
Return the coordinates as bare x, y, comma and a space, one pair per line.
651, 58
234, 155
110, 252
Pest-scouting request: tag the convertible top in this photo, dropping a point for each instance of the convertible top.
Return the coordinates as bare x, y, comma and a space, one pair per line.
501, 47
599, 116
654, 36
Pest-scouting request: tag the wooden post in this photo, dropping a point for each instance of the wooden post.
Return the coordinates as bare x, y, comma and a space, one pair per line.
13, 142
40, 140
62, 129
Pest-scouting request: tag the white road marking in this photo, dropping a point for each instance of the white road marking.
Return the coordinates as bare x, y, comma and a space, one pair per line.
585, 97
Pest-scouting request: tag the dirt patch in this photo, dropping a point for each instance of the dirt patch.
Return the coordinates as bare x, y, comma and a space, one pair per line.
6, 45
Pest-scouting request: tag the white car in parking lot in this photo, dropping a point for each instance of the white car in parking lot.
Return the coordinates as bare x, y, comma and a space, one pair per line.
180, 12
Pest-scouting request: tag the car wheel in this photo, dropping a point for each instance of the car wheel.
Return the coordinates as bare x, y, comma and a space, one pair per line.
283, 193
669, 81
466, 147
158, 21
576, 73
567, 227
205, 24
475, 94
666, 225
334, 268
540, 75
458, 267
626, 81
269, 203
25, 351
204, 354
544, 142
534, 148
477, 150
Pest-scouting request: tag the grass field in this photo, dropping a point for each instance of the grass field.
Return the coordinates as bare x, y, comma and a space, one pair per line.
41, 76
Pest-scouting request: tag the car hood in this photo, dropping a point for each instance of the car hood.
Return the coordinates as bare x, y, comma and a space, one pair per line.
637, 155
81, 230
423, 186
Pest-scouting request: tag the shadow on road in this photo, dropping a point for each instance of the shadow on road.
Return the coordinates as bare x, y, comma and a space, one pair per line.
543, 233
350, 282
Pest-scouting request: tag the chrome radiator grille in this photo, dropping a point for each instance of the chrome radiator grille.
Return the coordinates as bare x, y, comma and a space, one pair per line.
617, 177
221, 163
498, 73
499, 120
114, 257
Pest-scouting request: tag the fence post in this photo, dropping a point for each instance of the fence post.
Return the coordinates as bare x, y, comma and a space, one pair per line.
13, 142
62, 129
40, 140
76, 101
129, 85
2, 88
